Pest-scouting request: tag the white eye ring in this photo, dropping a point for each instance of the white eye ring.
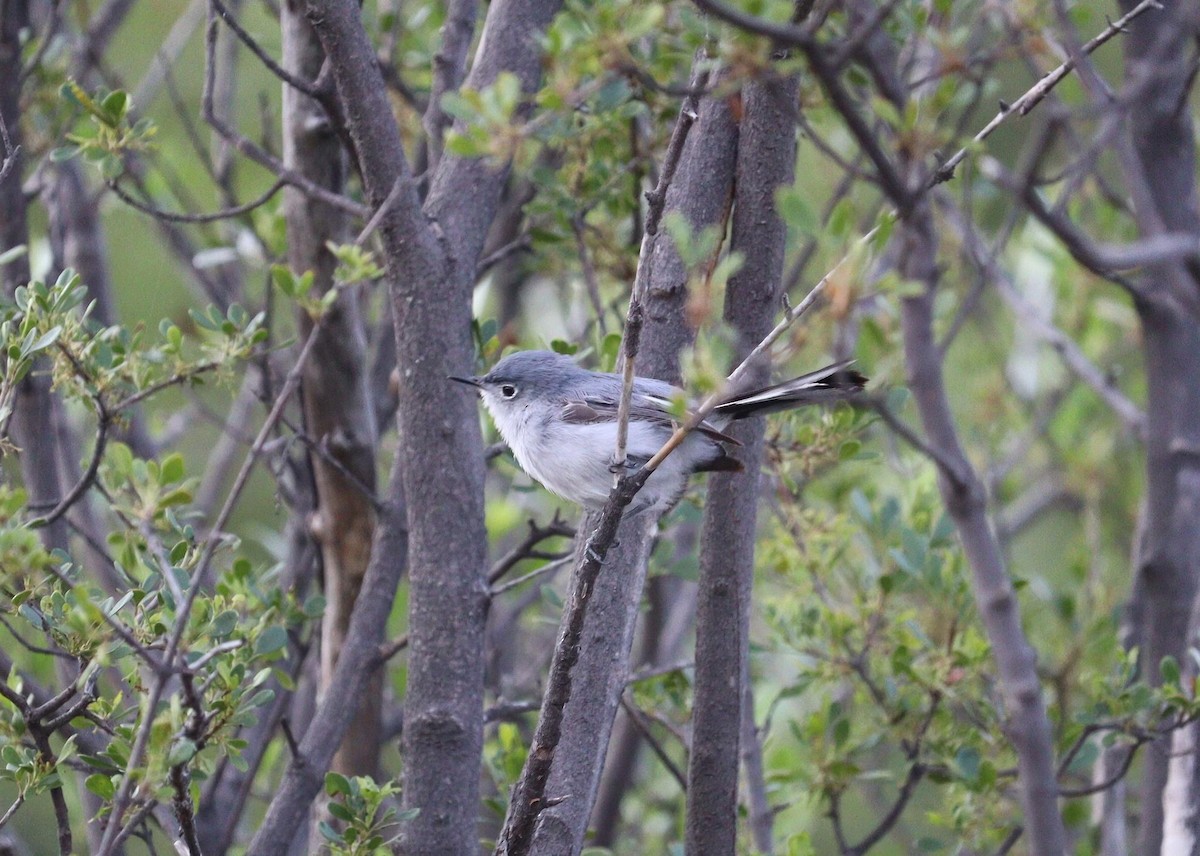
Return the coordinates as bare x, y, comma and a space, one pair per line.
508, 390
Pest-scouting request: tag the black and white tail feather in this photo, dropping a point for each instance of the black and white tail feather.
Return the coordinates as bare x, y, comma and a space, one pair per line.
832, 383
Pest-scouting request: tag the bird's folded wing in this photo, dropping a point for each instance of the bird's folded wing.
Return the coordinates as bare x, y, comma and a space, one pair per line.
593, 409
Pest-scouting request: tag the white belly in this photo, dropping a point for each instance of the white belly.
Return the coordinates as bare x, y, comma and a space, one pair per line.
574, 461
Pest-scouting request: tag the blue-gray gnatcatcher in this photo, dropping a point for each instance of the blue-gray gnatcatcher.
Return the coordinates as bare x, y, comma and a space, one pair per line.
560, 420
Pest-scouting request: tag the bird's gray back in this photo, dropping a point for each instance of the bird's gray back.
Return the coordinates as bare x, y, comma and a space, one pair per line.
558, 376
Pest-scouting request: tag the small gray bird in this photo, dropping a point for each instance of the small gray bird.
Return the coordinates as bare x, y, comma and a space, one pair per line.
560, 421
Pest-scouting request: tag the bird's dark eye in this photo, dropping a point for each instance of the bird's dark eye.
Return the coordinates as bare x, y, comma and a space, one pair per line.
508, 390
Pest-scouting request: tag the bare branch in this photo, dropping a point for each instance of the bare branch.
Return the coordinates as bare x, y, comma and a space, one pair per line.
449, 66
1100, 382
309, 89
966, 502
1035, 94
254, 151
210, 217
89, 475
639, 722
785, 35
656, 199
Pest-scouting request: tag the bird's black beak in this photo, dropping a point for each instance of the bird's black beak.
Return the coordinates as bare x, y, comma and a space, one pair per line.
469, 381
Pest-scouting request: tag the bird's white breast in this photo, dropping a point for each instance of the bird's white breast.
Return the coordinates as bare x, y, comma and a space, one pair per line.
573, 460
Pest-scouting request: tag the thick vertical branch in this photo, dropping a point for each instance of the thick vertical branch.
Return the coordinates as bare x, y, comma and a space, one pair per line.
662, 637
765, 161
701, 192
964, 496
359, 658
597, 681
1160, 64
337, 408
431, 255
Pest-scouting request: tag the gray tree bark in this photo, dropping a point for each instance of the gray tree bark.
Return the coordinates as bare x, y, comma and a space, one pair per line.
965, 500
671, 604
766, 158
338, 416
431, 253
1160, 64
305, 772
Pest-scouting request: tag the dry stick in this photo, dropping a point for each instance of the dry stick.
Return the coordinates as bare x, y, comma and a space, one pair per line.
528, 798
525, 550
1040, 90
213, 216
256, 152
656, 200
449, 66
12, 810
255, 48
589, 271
114, 833
103, 417
639, 722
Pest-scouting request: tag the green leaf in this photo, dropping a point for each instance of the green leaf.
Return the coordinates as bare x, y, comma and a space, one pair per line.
841, 219
329, 833
111, 167
179, 552
171, 469
336, 783
464, 146
182, 752
114, 106
101, 785
1169, 669
314, 606
841, 732
73, 92
202, 320
795, 210
260, 698
967, 760
273, 639
225, 623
